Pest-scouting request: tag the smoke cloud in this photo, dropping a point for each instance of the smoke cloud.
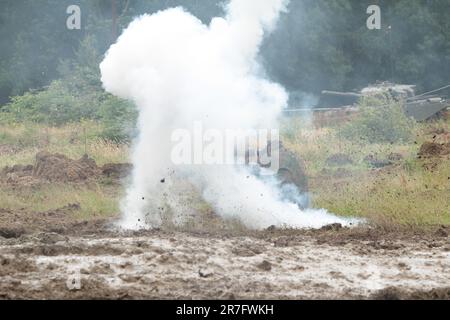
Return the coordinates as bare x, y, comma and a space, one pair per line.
179, 71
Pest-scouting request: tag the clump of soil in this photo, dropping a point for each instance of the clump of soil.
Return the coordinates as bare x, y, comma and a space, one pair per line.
441, 232
392, 293
17, 173
117, 170
433, 149
15, 265
333, 226
338, 159
58, 167
265, 265
247, 250
10, 233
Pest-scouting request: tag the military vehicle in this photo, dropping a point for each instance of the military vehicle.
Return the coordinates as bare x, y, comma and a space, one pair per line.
341, 106
420, 107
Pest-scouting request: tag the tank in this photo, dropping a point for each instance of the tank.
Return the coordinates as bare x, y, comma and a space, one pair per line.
419, 107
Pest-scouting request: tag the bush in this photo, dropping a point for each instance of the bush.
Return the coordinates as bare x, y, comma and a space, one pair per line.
381, 118
118, 118
77, 96
54, 106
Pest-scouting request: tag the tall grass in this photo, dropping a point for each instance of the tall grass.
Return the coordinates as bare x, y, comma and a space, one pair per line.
22, 141
399, 195
402, 194
93, 200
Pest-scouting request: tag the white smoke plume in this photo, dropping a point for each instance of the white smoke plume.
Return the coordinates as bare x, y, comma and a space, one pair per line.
178, 70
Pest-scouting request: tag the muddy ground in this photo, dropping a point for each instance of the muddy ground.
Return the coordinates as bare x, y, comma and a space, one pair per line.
52, 255
83, 260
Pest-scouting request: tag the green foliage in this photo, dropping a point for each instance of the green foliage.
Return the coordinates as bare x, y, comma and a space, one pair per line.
76, 96
118, 119
316, 45
326, 45
68, 99
55, 105
381, 119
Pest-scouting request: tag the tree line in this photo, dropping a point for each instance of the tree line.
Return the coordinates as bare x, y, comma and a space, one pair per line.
318, 44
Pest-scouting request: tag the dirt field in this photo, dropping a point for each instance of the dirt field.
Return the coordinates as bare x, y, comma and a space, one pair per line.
57, 253
81, 260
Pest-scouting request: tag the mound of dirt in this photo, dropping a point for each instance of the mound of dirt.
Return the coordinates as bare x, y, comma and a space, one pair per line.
116, 170
433, 149
55, 167
58, 167
17, 174
17, 170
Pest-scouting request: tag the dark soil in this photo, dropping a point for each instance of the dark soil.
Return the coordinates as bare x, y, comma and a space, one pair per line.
393, 293
433, 149
58, 167
116, 170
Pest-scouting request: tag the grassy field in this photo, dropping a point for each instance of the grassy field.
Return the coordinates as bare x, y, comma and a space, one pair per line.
405, 193
94, 201
19, 144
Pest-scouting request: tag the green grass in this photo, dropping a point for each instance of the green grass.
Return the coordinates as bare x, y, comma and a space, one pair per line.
72, 140
402, 195
94, 201
405, 194
20, 144
316, 146
416, 198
